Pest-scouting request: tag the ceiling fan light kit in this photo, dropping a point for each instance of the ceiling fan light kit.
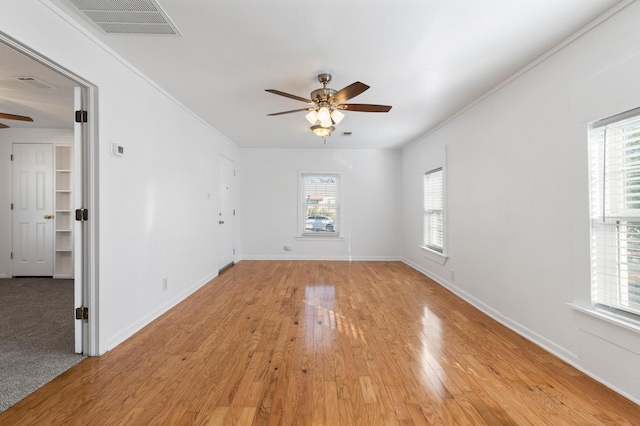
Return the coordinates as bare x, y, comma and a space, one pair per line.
322, 131
323, 114
312, 117
326, 103
337, 116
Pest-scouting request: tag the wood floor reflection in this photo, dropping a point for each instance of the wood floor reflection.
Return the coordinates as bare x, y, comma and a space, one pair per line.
313, 342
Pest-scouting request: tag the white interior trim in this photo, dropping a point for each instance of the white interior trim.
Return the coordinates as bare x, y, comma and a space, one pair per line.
528, 334
90, 141
75, 24
434, 256
573, 37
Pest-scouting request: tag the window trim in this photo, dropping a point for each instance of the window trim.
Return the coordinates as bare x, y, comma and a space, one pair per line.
319, 236
603, 219
430, 251
434, 256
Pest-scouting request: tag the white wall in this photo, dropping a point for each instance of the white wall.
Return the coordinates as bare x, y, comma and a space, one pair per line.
7, 138
153, 202
516, 176
370, 203
518, 227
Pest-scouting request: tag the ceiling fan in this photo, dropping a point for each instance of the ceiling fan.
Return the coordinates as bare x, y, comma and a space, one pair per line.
12, 117
326, 103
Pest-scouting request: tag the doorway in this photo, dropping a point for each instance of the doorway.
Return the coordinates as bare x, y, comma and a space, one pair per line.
226, 213
55, 245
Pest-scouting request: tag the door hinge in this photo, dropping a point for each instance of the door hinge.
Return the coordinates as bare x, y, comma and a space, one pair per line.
82, 313
11, 206
81, 116
11, 255
234, 251
234, 172
234, 211
82, 215
11, 157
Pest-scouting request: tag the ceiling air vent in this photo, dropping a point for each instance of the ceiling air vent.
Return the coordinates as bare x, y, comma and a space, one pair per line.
127, 16
35, 82
345, 134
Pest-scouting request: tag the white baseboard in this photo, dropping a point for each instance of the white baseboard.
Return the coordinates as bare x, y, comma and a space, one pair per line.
551, 347
525, 332
336, 258
147, 319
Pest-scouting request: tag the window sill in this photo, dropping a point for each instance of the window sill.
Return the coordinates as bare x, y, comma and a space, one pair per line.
618, 320
319, 238
434, 256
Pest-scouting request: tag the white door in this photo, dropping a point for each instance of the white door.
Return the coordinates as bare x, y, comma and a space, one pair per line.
79, 283
226, 212
32, 210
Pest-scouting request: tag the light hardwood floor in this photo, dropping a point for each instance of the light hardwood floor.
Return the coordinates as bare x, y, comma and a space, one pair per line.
313, 342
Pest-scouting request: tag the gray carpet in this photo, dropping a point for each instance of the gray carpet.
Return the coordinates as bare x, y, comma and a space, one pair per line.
36, 335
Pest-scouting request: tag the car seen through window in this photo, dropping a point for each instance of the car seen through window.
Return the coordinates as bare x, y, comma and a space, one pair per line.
319, 223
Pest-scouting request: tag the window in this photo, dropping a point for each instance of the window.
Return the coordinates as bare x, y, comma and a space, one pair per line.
614, 150
320, 204
433, 212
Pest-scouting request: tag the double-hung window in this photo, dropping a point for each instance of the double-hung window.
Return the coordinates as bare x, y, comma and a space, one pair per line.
319, 204
433, 210
614, 150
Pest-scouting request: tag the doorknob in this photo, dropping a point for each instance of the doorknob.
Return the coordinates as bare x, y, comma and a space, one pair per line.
220, 222
48, 216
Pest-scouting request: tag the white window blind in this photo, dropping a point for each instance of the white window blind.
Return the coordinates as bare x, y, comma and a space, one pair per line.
614, 149
320, 204
433, 212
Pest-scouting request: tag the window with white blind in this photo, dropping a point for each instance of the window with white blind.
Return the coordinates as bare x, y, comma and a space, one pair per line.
319, 204
614, 150
433, 210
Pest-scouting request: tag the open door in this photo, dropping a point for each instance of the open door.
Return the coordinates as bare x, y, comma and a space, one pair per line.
80, 280
76, 254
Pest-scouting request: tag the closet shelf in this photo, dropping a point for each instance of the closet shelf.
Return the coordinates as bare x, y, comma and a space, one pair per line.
63, 262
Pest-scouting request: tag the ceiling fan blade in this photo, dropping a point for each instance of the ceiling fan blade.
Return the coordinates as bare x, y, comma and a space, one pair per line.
289, 112
3, 126
15, 117
288, 95
351, 91
365, 107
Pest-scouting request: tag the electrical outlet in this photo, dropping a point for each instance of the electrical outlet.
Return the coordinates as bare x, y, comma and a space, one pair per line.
287, 248
453, 276
117, 150
165, 284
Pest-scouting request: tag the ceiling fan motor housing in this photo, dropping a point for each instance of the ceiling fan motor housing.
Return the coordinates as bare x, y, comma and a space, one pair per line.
321, 95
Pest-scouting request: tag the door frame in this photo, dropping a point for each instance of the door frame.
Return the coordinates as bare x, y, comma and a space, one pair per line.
87, 254
219, 261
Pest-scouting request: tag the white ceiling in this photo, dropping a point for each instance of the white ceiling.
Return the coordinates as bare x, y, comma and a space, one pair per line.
426, 58
49, 108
